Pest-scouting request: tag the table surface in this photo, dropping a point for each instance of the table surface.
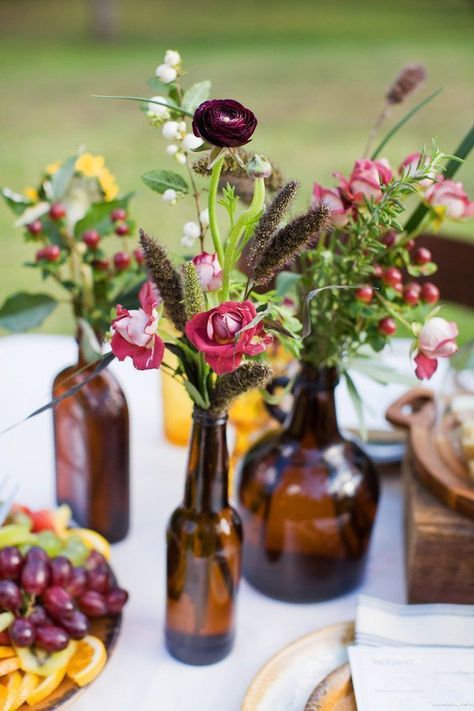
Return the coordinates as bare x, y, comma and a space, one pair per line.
141, 675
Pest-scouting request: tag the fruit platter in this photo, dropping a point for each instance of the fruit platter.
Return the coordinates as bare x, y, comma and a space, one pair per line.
60, 608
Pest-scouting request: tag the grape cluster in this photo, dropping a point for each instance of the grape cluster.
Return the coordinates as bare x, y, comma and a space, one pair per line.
52, 600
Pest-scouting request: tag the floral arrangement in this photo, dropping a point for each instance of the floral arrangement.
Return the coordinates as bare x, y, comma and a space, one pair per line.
360, 283
68, 216
217, 324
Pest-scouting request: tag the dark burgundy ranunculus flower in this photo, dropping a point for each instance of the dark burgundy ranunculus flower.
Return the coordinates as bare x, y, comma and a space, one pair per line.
224, 123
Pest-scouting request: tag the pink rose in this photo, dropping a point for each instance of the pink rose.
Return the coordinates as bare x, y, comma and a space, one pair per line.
215, 333
333, 199
135, 335
209, 271
366, 180
411, 163
451, 196
437, 339
149, 295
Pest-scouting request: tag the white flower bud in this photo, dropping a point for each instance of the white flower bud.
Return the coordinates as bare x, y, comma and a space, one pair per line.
157, 110
181, 158
182, 127
172, 149
191, 142
187, 241
166, 74
170, 195
172, 58
204, 217
170, 130
191, 230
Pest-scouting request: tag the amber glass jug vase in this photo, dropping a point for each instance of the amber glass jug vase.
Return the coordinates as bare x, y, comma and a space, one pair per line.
91, 437
307, 499
204, 541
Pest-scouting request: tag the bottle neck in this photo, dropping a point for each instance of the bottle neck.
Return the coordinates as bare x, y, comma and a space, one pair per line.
313, 419
207, 472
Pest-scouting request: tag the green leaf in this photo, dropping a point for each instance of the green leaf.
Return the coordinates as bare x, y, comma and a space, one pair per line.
16, 202
358, 406
195, 395
61, 179
89, 345
98, 216
195, 95
285, 282
422, 270
380, 372
161, 180
158, 85
22, 311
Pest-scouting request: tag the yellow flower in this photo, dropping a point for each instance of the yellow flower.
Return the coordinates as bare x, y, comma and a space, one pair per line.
53, 167
108, 184
89, 165
31, 194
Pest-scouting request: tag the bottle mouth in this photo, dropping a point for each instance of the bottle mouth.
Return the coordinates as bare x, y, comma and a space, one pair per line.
207, 418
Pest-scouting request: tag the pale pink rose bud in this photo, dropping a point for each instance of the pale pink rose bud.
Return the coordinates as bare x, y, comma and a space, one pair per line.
451, 196
332, 198
437, 339
223, 327
209, 271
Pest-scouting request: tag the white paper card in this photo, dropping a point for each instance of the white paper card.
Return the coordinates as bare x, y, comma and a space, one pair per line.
412, 678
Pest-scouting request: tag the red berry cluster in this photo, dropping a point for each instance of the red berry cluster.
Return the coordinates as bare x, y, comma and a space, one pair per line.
51, 600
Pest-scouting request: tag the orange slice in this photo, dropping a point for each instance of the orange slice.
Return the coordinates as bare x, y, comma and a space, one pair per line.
9, 665
45, 687
6, 652
29, 683
13, 691
88, 661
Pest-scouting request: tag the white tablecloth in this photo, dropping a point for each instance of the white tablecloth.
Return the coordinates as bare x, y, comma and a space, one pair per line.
141, 676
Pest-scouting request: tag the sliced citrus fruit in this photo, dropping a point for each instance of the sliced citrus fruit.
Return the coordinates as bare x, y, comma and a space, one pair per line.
9, 665
3, 695
62, 518
45, 687
29, 683
6, 652
92, 540
13, 691
6, 618
88, 661
36, 661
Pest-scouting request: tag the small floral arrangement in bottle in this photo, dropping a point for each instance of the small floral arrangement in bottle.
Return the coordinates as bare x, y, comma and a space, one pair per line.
222, 329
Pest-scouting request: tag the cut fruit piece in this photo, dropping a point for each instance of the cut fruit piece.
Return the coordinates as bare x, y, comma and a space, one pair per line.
15, 535
45, 687
62, 518
29, 683
3, 695
92, 540
6, 618
6, 652
88, 661
9, 665
37, 661
13, 692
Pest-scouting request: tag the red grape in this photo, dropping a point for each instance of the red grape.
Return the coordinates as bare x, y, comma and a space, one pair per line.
92, 604
95, 560
52, 638
35, 577
61, 570
22, 632
57, 601
10, 596
37, 553
11, 562
98, 579
116, 599
39, 617
78, 582
76, 624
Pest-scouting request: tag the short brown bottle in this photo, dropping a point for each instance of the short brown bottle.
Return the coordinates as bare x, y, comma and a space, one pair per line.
204, 539
91, 436
307, 499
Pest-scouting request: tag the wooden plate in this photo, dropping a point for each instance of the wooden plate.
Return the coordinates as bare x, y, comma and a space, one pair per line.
108, 629
334, 692
437, 464
288, 678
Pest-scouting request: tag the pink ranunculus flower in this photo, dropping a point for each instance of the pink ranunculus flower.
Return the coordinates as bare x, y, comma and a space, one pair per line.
209, 271
411, 163
135, 335
366, 180
437, 339
451, 196
332, 198
215, 333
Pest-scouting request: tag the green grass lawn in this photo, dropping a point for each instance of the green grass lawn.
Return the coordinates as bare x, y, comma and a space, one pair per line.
313, 73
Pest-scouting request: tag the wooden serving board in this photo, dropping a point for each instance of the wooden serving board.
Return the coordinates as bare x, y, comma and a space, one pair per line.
108, 629
437, 463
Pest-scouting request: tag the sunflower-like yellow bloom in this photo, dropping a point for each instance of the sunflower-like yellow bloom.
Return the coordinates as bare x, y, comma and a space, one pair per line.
31, 194
89, 165
52, 168
108, 184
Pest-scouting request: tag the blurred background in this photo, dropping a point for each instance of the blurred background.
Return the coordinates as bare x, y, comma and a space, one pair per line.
313, 72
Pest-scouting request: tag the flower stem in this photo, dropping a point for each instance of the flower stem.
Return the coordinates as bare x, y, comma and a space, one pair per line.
213, 225
393, 312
